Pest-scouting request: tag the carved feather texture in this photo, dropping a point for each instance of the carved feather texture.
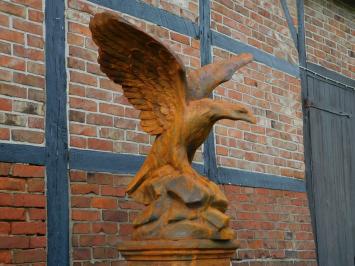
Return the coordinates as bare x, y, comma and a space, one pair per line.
153, 78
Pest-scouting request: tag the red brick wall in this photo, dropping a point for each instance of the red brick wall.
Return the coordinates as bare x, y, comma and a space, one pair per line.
330, 30
275, 144
22, 214
100, 216
261, 24
272, 225
22, 71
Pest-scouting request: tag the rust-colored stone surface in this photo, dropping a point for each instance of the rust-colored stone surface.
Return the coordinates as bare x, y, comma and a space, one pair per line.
174, 105
178, 253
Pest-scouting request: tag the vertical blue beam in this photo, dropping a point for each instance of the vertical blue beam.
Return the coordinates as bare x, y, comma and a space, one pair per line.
301, 42
290, 23
56, 135
209, 154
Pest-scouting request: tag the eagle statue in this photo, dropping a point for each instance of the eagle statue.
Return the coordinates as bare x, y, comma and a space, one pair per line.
174, 107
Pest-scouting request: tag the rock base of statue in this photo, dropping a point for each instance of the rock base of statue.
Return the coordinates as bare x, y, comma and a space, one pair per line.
181, 207
189, 252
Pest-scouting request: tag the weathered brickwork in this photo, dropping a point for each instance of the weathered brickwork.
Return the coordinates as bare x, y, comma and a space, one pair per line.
22, 215
22, 71
261, 24
330, 36
101, 215
100, 117
275, 144
270, 224
182, 8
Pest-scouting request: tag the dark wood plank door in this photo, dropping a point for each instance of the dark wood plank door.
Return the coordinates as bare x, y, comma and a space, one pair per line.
332, 186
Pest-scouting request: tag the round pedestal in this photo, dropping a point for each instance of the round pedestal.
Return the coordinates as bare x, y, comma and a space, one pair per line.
194, 252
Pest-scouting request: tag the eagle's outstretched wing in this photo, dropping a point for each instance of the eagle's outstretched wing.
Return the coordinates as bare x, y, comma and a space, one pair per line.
153, 78
202, 81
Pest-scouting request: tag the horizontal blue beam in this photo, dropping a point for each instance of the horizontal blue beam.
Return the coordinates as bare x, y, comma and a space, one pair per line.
118, 163
259, 180
20, 153
260, 56
152, 14
129, 164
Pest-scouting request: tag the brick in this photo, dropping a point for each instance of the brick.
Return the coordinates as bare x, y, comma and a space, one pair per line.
79, 29
28, 107
114, 216
32, 54
5, 229
81, 254
5, 256
77, 116
84, 130
36, 95
100, 178
29, 200
35, 185
80, 202
92, 240
27, 26
36, 4
31, 255
5, 169
36, 42
12, 36
78, 215
103, 203
180, 38
35, 15
5, 48
12, 62
84, 189
27, 136
12, 9
36, 68
78, 142
12, 214
38, 242
37, 214
113, 191
77, 176
111, 133
12, 120
111, 109
22, 170
83, 104
5, 75
29, 80
13, 90
5, 105
36, 122
13, 184
104, 253
107, 228
81, 228
9, 242
98, 119
83, 78
28, 228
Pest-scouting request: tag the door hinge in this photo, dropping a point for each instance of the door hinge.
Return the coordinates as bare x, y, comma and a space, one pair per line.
309, 104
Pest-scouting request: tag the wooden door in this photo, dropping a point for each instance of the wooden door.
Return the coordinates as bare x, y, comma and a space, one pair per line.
332, 185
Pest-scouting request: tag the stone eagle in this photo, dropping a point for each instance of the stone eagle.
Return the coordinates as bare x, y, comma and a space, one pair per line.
174, 106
